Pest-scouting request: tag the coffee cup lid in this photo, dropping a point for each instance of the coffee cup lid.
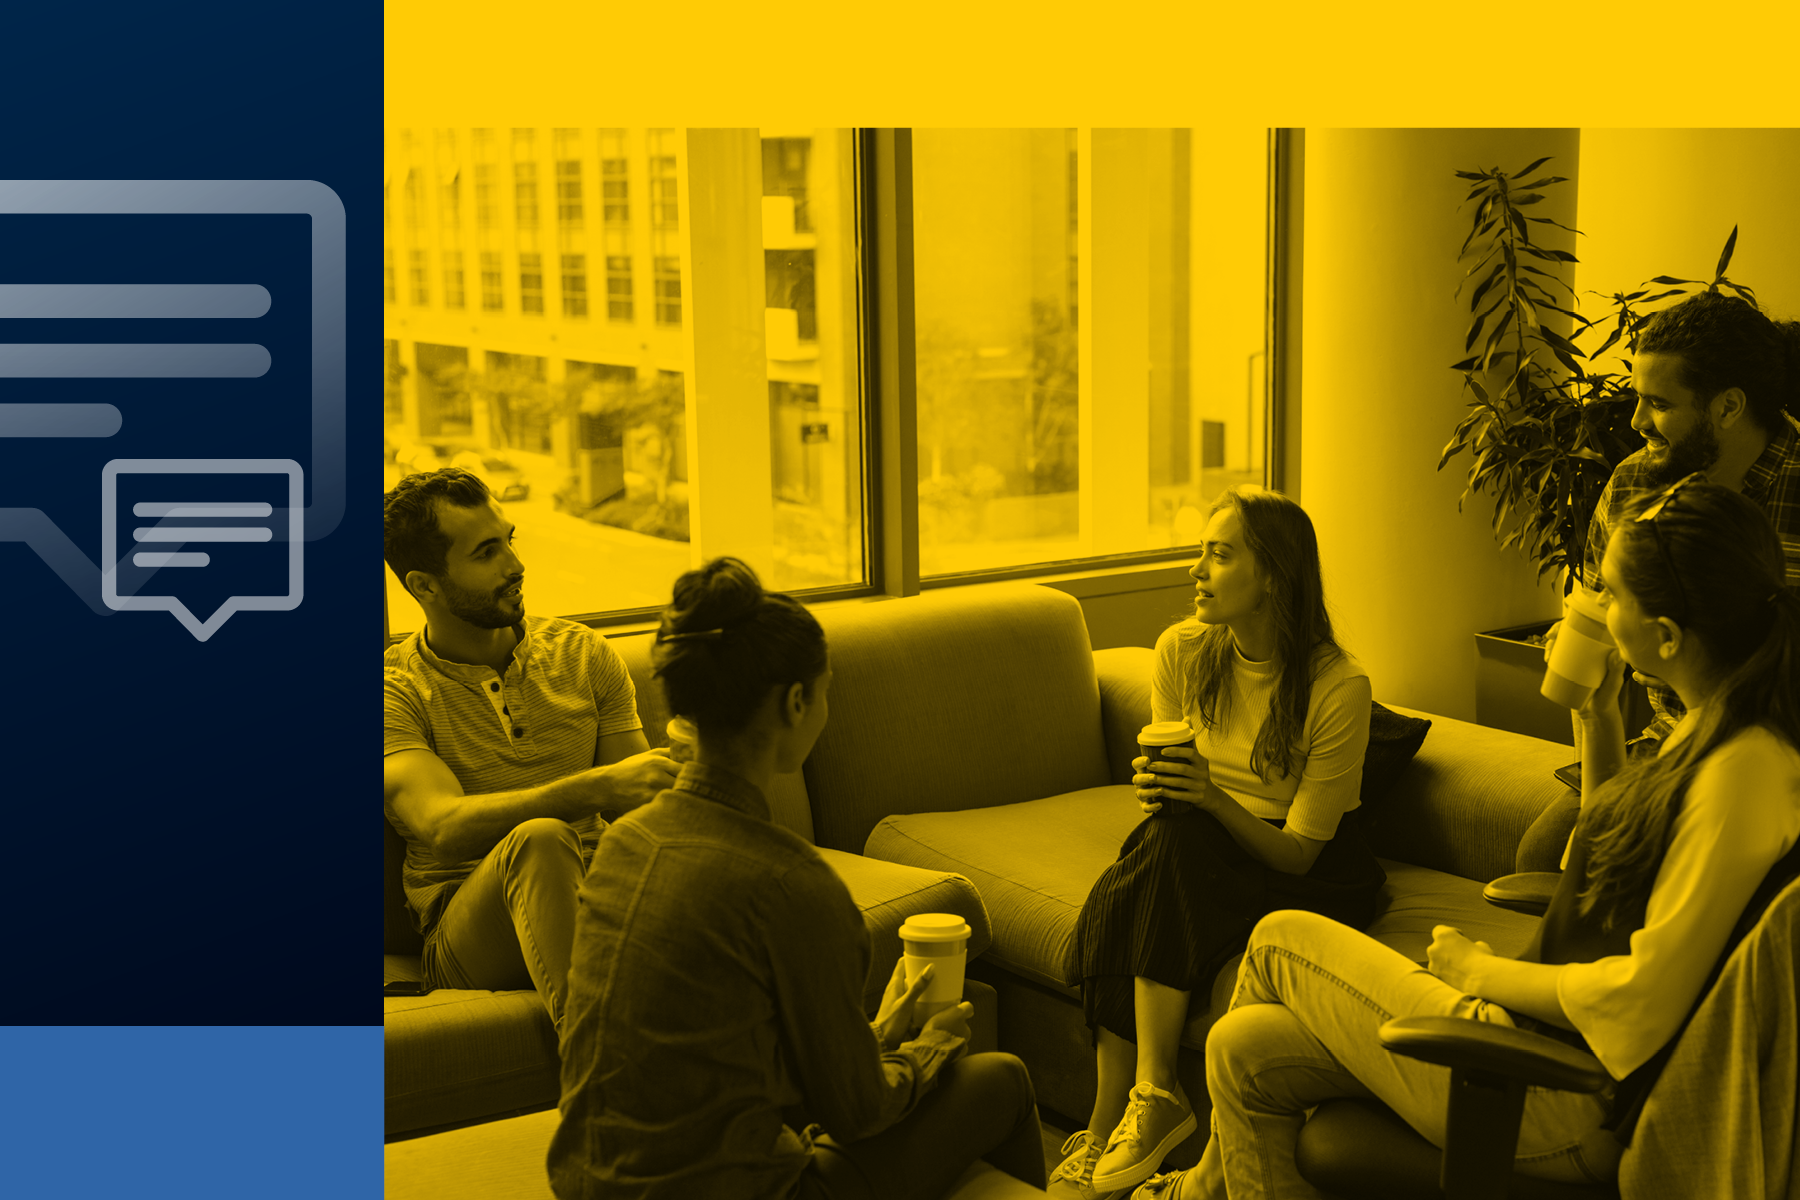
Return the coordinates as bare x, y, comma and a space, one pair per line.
935, 927
1165, 733
1586, 603
681, 729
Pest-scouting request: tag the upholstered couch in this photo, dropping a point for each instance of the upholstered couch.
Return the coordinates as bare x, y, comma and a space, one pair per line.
975, 737
460, 1056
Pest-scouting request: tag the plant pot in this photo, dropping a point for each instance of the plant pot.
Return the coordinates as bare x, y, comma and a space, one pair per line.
1510, 670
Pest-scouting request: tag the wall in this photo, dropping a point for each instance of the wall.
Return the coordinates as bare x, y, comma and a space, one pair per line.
1662, 202
1409, 580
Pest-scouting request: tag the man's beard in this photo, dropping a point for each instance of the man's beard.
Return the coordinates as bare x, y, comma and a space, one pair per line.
1698, 451
480, 609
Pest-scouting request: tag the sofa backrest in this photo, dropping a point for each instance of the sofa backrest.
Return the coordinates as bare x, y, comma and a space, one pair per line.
1467, 798
956, 699
788, 804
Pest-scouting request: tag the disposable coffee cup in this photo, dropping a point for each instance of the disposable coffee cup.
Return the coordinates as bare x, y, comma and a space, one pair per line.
939, 941
1153, 740
1578, 657
681, 740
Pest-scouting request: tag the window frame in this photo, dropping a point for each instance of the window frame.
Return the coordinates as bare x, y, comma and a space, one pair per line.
887, 400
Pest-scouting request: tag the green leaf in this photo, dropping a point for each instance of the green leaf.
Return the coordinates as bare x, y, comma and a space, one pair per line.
1665, 295
1743, 292
1558, 342
1589, 456
1472, 175
1725, 255
1466, 364
1494, 338
1536, 164
1475, 330
1527, 198
1671, 279
1481, 289
1558, 224
1475, 386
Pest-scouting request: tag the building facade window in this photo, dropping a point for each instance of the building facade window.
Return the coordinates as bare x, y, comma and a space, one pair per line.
568, 193
421, 284
574, 285
665, 208
450, 201
615, 190
618, 287
525, 194
531, 283
668, 289
785, 163
453, 279
493, 288
415, 199
388, 257
484, 196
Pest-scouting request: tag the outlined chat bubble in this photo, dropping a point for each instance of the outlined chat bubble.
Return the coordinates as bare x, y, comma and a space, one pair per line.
171, 315
226, 533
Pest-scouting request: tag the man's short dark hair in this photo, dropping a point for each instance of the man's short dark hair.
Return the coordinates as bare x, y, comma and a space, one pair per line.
1724, 342
411, 538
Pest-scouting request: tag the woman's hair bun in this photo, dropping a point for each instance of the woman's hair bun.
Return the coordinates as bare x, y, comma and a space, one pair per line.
723, 593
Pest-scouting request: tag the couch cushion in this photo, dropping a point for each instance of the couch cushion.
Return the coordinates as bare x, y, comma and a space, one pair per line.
1394, 738
888, 893
455, 1055
788, 804
957, 699
1033, 863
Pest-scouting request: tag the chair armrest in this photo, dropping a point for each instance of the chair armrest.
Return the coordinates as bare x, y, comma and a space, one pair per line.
1528, 892
1498, 1049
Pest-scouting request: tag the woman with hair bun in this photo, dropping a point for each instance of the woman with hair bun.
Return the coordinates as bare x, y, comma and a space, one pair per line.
1670, 856
716, 1044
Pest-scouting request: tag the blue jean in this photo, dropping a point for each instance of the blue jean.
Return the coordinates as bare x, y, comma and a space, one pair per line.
512, 922
982, 1107
1301, 1030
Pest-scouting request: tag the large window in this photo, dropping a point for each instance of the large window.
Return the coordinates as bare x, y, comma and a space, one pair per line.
1069, 369
1087, 342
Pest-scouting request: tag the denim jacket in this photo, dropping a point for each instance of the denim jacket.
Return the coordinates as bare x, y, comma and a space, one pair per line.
715, 1006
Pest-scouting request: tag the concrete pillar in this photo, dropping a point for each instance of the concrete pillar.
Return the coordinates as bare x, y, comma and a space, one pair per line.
730, 492
1409, 580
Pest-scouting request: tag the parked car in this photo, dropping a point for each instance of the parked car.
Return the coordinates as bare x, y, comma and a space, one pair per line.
504, 479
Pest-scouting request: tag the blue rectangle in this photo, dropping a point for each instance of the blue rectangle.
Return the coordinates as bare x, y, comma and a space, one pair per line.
191, 1112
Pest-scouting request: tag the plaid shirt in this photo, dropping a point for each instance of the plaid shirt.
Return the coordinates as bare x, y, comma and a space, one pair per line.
1773, 481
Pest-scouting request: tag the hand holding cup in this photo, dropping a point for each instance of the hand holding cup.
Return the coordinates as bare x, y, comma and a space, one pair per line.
1180, 775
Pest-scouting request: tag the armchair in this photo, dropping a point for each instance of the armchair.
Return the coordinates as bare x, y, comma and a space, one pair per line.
1702, 1128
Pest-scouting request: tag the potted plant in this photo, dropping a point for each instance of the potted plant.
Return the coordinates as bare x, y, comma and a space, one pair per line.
1546, 426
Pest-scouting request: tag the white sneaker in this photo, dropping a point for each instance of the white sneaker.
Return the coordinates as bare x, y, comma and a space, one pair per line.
1155, 1123
1074, 1179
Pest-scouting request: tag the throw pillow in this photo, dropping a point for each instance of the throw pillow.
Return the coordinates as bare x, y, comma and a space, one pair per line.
1393, 740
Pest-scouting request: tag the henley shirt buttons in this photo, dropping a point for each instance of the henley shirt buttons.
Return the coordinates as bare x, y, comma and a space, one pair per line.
493, 687
518, 733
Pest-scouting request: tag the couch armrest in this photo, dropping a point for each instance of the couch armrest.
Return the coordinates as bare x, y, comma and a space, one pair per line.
1124, 673
888, 893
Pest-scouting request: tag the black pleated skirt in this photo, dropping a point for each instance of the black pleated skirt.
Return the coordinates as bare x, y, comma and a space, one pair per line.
1182, 898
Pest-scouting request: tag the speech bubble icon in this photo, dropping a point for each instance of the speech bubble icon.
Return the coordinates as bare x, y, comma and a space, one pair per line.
245, 536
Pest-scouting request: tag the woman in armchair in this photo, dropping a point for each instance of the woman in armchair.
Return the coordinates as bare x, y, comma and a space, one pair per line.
1666, 854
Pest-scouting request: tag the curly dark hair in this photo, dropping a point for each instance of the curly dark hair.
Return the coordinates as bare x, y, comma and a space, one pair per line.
411, 538
1724, 342
725, 642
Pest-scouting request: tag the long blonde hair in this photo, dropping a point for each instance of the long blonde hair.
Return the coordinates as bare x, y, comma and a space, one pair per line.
1280, 536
